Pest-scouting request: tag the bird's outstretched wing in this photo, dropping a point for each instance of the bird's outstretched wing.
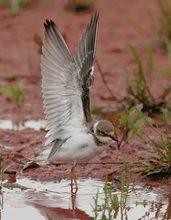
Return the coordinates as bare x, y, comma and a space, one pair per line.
85, 61
65, 81
85, 52
60, 83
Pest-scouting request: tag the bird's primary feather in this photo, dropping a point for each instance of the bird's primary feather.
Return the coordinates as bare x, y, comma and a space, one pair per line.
86, 48
85, 61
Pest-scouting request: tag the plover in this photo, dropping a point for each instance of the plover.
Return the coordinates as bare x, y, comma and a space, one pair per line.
66, 81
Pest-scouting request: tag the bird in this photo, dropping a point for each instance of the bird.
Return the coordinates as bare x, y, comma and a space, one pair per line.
72, 133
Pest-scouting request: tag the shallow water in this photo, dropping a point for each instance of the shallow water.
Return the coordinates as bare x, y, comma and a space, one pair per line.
17, 126
52, 201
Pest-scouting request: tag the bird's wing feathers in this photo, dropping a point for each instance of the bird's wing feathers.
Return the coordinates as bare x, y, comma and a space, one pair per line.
60, 83
64, 80
57, 144
85, 52
85, 61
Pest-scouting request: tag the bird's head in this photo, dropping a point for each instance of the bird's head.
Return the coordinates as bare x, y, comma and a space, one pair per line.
104, 132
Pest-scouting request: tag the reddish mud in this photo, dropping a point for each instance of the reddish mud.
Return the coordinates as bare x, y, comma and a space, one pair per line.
121, 23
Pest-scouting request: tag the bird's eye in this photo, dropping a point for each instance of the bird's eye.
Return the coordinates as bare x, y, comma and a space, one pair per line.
102, 133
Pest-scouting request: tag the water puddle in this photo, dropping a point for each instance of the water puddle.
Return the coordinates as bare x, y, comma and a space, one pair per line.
17, 126
53, 201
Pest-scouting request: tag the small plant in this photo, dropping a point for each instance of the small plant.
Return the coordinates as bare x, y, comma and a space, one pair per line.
126, 124
111, 203
80, 5
160, 162
165, 18
166, 72
125, 183
16, 92
95, 208
139, 89
15, 5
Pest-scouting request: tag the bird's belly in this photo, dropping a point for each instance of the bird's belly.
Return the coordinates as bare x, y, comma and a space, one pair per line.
78, 148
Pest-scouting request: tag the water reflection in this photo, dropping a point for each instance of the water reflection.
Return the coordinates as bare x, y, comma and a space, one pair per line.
53, 201
17, 126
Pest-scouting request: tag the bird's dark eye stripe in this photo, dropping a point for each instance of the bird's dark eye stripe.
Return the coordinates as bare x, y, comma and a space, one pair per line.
102, 133
108, 135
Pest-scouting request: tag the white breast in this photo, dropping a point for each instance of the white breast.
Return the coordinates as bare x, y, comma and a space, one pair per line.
80, 147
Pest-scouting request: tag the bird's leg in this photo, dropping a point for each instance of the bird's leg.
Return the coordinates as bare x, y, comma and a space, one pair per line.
73, 178
73, 199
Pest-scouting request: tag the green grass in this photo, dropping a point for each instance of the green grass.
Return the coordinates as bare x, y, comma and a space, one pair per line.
4, 170
138, 89
14, 4
165, 18
111, 203
125, 183
126, 124
166, 71
16, 92
159, 163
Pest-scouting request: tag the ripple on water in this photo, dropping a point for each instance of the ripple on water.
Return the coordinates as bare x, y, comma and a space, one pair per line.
50, 200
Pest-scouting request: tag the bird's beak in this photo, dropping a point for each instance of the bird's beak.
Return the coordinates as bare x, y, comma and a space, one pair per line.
113, 138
